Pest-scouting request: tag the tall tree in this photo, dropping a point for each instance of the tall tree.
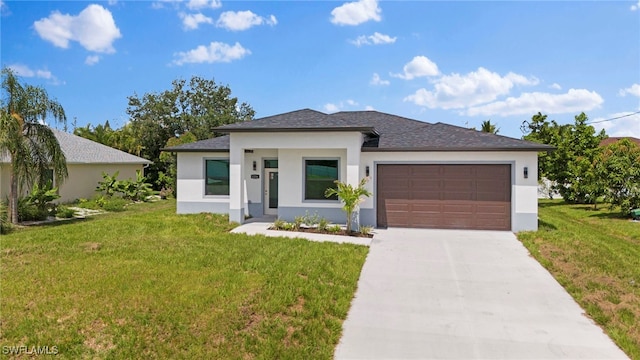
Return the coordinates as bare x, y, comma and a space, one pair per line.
618, 167
196, 106
488, 127
571, 163
31, 145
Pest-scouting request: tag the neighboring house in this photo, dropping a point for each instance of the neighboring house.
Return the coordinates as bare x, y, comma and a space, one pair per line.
421, 174
611, 140
86, 161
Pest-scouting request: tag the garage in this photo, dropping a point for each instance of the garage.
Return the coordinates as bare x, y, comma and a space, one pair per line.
461, 196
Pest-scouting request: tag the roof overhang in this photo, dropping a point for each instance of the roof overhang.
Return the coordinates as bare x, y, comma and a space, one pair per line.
193, 150
456, 149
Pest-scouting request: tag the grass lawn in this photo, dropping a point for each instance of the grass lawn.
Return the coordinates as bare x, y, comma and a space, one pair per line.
147, 283
595, 255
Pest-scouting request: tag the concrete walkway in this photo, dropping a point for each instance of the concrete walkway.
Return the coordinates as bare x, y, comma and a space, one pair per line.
260, 226
446, 294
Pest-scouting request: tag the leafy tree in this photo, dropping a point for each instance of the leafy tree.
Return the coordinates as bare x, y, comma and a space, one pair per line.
350, 196
25, 137
618, 168
167, 181
122, 139
196, 106
570, 165
488, 127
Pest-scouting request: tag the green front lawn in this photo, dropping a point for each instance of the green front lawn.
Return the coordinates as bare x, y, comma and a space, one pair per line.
595, 255
147, 283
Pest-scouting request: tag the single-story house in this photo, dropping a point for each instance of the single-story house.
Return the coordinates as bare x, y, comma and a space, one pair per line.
612, 139
420, 174
86, 161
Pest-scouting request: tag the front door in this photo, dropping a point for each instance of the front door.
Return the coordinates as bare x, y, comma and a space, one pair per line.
271, 191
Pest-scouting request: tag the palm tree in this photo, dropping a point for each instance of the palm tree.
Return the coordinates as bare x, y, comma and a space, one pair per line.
24, 136
488, 127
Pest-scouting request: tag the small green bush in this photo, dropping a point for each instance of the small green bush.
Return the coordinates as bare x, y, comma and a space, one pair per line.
64, 212
279, 224
334, 229
323, 224
366, 230
289, 226
311, 220
30, 212
297, 222
5, 225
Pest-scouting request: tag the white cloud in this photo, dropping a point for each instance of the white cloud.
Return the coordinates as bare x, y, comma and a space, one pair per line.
376, 80
201, 4
555, 86
4, 9
635, 6
243, 20
94, 28
626, 126
215, 52
355, 13
632, 90
192, 21
457, 91
92, 60
419, 66
375, 39
332, 108
369, 108
160, 3
574, 101
26, 71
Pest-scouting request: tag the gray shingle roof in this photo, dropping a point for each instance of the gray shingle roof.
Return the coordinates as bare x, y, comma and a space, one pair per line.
299, 120
385, 132
216, 144
79, 150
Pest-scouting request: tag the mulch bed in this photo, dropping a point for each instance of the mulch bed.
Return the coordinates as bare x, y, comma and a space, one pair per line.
342, 232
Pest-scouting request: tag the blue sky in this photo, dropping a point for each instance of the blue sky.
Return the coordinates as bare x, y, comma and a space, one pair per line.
437, 61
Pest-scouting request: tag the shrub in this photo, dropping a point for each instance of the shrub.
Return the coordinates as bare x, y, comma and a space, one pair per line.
297, 222
5, 225
64, 212
279, 224
42, 196
136, 190
334, 228
311, 220
29, 212
288, 226
323, 224
110, 184
366, 230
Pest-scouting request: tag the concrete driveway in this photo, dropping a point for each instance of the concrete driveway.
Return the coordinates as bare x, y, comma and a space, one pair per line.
447, 294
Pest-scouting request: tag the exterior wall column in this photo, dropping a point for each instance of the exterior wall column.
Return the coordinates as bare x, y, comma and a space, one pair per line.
236, 179
353, 173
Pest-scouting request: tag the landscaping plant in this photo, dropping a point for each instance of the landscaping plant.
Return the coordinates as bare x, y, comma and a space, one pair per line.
350, 196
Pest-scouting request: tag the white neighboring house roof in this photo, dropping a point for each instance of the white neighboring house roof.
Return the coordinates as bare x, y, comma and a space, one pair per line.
79, 150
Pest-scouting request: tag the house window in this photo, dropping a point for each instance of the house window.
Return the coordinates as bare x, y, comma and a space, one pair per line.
217, 177
319, 176
271, 164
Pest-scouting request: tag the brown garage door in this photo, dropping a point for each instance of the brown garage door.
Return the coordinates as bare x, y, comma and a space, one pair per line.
444, 196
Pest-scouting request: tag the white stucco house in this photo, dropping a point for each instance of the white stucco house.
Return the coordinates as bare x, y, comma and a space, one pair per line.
86, 161
421, 174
